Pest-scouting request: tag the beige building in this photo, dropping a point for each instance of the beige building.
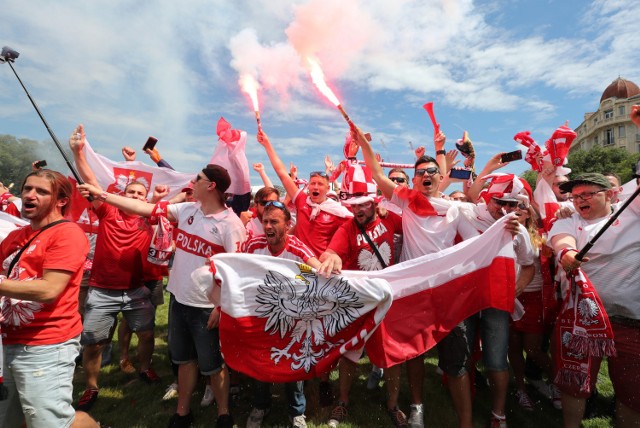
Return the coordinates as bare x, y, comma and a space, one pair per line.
610, 126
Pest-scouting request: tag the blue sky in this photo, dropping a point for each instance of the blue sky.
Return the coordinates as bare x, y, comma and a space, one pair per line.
170, 69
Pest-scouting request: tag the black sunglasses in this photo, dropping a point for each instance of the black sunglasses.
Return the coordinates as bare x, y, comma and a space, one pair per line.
510, 204
199, 177
399, 180
345, 195
276, 204
318, 174
432, 170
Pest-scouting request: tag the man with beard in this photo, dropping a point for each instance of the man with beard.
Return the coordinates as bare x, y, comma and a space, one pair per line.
39, 301
264, 195
364, 243
276, 221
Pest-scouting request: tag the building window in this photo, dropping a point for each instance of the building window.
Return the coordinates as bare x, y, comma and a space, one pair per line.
595, 140
608, 114
621, 131
621, 110
608, 137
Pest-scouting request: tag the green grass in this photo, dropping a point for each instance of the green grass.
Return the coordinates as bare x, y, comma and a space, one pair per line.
125, 401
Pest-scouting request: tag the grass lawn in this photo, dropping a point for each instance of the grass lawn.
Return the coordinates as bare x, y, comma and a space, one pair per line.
125, 401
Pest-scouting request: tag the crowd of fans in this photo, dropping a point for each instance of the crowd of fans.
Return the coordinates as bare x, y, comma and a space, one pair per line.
354, 216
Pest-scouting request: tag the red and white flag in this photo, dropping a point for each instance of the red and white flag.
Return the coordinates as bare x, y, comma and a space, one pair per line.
9, 223
281, 322
547, 202
434, 293
113, 177
276, 327
230, 154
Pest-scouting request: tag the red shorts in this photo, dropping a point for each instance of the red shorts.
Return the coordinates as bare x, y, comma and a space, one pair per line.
531, 322
624, 368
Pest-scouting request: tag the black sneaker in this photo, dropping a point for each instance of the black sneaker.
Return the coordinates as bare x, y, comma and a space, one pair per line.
178, 421
224, 421
398, 418
149, 376
87, 400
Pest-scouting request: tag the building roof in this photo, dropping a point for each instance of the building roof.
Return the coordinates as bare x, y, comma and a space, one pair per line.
620, 88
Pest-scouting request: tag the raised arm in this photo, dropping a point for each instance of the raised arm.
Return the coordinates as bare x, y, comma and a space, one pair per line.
259, 168
493, 164
76, 143
385, 185
281, 170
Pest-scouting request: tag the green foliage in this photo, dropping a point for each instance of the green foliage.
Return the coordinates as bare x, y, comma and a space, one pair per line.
16, 156
602, 160
125, 401
530, 176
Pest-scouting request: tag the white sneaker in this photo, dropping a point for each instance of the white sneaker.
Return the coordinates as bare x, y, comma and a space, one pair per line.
555, 397
255, 418
207, 397
299, 422
171, 392
542, 387
374, 377
416, 417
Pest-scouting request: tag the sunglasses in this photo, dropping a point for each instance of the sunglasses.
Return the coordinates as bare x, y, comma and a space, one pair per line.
344, 195
318, 174
199, 177
276, 204
510, 204
523, 206
399, 180
431, 171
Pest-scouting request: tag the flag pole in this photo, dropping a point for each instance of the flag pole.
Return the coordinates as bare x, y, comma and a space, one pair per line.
613, 218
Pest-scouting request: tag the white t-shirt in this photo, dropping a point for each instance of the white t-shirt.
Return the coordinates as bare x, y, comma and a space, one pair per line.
294, 249
197, 238
614, 260
254, 228
427, 234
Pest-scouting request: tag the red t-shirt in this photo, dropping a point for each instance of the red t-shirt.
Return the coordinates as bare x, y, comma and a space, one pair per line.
62, 247
123, 241
354, 250
315, 233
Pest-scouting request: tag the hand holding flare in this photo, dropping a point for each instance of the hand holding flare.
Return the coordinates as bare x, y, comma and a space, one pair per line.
250, 86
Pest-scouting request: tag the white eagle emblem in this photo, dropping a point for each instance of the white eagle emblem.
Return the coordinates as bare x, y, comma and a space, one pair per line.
588, 309
309, 318
369, 261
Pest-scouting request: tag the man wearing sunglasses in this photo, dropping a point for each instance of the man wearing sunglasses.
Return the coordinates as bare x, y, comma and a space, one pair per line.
275, 242
612, 266
430, 224
263, 196
204, 228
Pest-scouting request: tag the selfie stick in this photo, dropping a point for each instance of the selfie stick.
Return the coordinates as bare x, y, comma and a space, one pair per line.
9, 56
613, 218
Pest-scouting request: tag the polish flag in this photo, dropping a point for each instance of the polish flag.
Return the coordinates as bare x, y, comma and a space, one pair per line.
547, 202
276, 327
9, 223
434, 293
281, 322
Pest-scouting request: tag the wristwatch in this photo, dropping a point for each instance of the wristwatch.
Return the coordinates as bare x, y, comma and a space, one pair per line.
441, 152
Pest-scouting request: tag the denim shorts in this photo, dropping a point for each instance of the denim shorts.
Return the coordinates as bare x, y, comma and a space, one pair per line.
456, 348
190, 339
104, 305
39, 381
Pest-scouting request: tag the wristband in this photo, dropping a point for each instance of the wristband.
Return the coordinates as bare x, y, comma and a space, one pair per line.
565, 251
441, 152
103, 197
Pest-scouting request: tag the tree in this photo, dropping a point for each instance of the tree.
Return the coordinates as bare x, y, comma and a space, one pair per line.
16, 156
602, 160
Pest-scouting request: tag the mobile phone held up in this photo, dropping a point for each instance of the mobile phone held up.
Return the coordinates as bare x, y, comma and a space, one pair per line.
150, 144
40, 164
511, 156
461, 173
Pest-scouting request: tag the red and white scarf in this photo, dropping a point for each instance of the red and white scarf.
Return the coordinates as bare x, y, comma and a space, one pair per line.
582, 331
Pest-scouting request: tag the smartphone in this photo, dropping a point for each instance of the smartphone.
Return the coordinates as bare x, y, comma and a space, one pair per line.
461, 173
511, 156
150, 144
40, 164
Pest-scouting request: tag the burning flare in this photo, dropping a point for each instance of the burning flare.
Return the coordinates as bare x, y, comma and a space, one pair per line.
250, 86
317, 76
